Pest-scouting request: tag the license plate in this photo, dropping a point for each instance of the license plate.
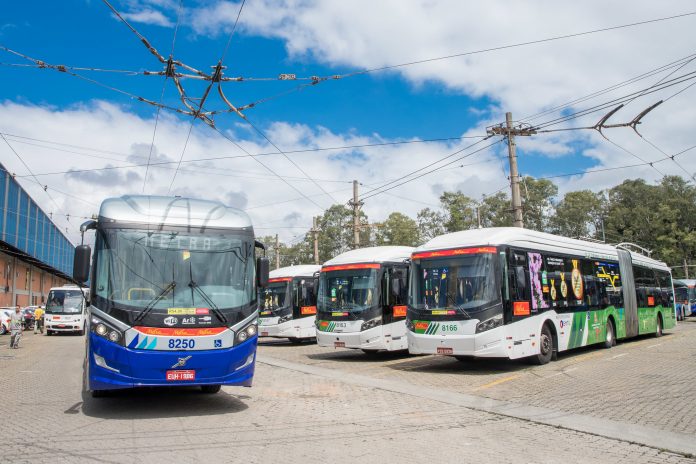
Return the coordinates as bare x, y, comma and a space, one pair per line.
61, 325
173, 376
444, 350
339, 344
264, 334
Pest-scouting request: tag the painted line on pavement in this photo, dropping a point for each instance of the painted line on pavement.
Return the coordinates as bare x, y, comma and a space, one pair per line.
632, 433
496, 382
619, 355
653, 346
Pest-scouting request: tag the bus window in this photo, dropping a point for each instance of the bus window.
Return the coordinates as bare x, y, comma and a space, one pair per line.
518, 277
539, 285
666, 293
592, 285
566, 284
609, 282
646, 287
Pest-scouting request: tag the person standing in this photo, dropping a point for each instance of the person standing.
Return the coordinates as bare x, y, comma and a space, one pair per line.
38, 319
16, 319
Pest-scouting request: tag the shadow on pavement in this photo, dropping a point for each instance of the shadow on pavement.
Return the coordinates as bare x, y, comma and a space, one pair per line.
153, 403
343, 355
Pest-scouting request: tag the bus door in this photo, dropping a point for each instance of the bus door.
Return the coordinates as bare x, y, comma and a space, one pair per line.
394, 294
305, 297
629, 293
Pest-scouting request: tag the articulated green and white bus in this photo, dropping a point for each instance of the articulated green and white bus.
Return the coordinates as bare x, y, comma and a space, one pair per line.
514, 293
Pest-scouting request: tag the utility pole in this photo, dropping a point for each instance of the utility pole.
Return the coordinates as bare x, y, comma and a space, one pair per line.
686, 269
356, 204
510, 131
277, 252
315, 233
478, 216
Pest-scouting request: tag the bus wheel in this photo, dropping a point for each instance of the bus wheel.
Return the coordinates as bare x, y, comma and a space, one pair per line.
98, 393
295, 340
658, 332
210, 388
370, 352
465, 359
609, 340
48, 332
545, 347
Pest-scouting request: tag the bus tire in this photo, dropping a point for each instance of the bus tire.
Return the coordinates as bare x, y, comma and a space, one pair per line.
98, 393
658, 332
48, 333
81, 332
295, 340
210, 389
465, 359
545, 347
610, 338
370, 352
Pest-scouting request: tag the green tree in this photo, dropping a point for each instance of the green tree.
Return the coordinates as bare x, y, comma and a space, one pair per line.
430, 224
496, 211
537, 205
633, 213
398, 229
579, 214
676, 237
460, 211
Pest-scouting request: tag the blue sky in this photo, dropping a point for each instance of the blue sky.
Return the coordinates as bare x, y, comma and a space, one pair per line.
444, 99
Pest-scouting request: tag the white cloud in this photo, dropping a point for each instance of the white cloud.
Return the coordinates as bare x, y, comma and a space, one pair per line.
148, 16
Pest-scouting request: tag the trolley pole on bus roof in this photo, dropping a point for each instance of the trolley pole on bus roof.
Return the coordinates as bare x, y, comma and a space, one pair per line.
510, 131
277, 252
315, 235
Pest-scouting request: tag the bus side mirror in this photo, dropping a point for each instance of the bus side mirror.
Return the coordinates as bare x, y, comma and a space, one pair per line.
263, 266
83, 255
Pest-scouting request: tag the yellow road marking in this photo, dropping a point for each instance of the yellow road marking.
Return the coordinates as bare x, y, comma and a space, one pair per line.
497, 382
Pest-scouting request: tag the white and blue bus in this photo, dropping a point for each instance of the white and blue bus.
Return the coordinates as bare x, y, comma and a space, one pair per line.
289, 303
362, 299
173, 294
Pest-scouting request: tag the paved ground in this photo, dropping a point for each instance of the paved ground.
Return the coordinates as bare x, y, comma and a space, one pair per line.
309, 404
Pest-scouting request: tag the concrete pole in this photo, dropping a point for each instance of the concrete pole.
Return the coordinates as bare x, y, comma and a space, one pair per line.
277, 252
356, 216
686, 269
514, 176
315, 233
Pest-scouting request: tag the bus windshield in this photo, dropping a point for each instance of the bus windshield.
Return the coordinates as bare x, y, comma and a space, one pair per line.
347, 290
170, 269
275, 296
64, 302
464, 282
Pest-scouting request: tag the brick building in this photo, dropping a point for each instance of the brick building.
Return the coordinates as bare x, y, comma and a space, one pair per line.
34, 254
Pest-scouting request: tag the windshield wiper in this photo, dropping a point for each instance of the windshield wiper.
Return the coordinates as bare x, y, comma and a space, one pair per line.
148, 307
458, 307
207, 299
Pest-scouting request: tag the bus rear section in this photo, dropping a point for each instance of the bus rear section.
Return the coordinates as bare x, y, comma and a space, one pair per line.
289, 304
173, 297
66, 309
362, 300
529, 294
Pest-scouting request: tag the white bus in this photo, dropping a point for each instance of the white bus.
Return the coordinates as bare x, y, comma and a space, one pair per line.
514, 293
66, 308
362, 299
289, 303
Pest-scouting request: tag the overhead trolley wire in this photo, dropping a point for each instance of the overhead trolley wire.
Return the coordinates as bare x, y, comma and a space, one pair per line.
164, 85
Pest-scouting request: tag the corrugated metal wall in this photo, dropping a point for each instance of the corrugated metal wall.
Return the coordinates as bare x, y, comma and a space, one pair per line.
25, 226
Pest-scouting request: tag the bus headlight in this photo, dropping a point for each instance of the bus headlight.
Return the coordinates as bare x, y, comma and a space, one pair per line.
367, 325
247, 332
105, 330
488, 324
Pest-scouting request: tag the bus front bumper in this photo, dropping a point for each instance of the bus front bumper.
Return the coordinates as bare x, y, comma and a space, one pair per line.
112, 366
371, 339
489, 344
294, 328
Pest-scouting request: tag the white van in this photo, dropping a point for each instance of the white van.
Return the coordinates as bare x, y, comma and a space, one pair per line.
66, 309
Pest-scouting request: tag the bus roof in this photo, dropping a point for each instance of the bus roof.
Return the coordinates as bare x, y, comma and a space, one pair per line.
685, 282
177, 211
526, 238
380, 254
301, 270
